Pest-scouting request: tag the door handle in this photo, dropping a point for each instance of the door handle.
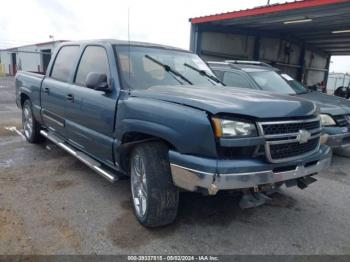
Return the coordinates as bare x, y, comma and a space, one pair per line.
70, 97
46, 90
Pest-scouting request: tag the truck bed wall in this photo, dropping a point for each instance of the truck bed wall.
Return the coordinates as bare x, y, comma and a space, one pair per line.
29, 84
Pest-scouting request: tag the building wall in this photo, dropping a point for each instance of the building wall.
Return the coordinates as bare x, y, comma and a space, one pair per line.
287, 56
5, 61
218, 46
28, 58
2, 66
28, 61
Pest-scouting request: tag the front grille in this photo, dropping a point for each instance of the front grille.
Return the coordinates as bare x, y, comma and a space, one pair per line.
341, 120
293, 149
285, 140
276, 129
236, 152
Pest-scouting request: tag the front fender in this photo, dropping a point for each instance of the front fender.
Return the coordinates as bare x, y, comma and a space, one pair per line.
187, 129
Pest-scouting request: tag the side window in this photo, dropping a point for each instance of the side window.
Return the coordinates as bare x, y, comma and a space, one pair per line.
233, 79
64, 62
94, 59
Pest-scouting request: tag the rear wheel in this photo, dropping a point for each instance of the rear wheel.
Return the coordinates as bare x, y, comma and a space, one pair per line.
154, 195
30, 126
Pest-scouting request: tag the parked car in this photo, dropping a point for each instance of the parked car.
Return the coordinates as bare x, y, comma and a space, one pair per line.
159, 115
343, 91
335, 111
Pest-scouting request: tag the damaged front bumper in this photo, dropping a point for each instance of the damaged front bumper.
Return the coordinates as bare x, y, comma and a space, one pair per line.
194, 173
338, 137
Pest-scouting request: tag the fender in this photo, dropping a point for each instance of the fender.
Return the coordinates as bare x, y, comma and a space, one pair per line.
187, 129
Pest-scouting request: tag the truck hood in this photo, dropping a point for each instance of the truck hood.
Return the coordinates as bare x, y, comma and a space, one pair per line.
240, 101
332, 105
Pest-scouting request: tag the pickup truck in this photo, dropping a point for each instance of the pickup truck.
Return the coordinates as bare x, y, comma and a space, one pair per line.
335, 111
159, 115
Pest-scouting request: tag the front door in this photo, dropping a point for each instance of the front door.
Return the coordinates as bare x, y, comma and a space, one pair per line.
90, 114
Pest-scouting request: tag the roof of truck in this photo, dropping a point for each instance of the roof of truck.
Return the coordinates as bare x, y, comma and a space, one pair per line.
124, 42
242, 66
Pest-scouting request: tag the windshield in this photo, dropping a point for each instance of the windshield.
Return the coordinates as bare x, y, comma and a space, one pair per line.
278, 83
145, 67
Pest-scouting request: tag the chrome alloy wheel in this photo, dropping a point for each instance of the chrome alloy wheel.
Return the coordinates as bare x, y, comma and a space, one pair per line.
27, 121
139, 185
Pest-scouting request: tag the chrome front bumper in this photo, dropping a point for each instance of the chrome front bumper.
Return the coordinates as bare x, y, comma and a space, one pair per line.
192, 179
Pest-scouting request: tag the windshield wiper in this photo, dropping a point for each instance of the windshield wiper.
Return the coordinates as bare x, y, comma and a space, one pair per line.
204, 73
168, 69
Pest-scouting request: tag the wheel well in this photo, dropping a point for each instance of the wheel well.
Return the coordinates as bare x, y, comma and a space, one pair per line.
131, 139
24, 97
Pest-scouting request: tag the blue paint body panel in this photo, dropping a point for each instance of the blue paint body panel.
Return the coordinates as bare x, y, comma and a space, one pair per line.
97, 122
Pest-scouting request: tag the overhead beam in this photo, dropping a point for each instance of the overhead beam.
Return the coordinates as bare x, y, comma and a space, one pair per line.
340, 53
331, 45
335, 49
330, 41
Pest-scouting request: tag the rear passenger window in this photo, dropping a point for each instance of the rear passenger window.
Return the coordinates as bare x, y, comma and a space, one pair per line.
64, 62
95, 60
233, 79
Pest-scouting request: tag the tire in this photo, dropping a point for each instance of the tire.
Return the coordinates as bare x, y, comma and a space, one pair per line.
155, 198
30, 126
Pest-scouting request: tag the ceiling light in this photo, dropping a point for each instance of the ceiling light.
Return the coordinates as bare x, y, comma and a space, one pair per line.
297, 21
341, 31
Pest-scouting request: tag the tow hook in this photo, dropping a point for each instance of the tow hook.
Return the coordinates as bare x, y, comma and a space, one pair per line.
213, 189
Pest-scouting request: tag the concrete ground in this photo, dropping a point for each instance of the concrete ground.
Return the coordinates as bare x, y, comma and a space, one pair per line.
50, 203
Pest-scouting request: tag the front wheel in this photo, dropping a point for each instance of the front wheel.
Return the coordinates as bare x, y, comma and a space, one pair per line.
30, 126
154, 195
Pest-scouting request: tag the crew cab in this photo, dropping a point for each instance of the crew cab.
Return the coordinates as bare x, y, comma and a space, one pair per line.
335, 111
159, 115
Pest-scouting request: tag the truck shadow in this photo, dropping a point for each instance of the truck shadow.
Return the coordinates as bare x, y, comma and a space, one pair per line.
223, 209
194, 210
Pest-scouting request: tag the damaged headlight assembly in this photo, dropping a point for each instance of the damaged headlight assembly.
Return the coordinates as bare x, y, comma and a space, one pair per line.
226, 128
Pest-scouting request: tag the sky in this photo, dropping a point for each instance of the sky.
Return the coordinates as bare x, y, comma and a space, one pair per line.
165, 22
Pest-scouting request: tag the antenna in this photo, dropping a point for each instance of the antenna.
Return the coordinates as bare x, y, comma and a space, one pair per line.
129, 61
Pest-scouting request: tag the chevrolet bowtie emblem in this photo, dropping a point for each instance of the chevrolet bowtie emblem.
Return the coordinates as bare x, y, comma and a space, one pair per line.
303, 136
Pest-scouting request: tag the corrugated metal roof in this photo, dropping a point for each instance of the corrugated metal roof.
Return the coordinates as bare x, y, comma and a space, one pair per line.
324, 24
267, 9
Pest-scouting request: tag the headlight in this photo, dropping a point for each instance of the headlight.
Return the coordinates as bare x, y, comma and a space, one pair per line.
327, 120
231, 128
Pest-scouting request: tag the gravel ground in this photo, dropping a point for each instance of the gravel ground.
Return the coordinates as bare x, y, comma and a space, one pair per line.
50, 203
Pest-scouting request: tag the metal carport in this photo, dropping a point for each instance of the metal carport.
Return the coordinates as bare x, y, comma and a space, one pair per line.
298, 37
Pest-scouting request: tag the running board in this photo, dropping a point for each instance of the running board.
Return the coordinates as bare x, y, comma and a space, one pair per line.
93, 164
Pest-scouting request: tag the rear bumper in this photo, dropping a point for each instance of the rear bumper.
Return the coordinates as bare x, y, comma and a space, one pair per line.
192, 173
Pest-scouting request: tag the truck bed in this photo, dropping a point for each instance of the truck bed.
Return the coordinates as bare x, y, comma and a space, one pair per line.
29, 84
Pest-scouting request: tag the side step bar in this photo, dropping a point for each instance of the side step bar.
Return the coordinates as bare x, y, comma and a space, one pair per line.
93, 164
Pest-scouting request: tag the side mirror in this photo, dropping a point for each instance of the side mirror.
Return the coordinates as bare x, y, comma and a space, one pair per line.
97, 81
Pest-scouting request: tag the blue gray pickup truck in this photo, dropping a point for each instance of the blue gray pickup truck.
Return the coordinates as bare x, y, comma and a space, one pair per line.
159, 115
335, 111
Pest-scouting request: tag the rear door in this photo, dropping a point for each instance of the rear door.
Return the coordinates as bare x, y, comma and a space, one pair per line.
90, 114
54, 89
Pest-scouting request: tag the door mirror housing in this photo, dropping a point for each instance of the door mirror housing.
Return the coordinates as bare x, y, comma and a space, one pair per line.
97, 81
